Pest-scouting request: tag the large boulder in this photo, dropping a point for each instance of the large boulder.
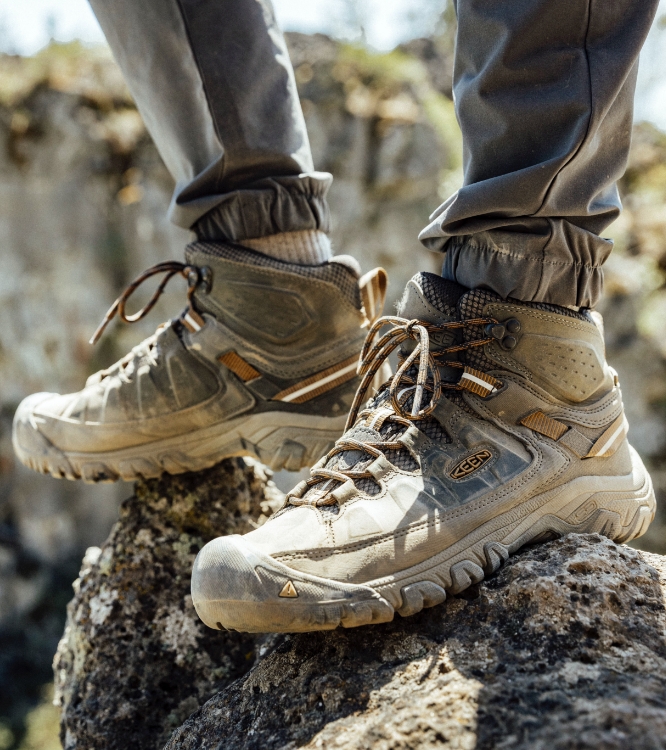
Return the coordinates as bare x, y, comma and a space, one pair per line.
563, 648
135, 660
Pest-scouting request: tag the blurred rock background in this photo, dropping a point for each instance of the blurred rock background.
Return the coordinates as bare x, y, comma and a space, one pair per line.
83, 195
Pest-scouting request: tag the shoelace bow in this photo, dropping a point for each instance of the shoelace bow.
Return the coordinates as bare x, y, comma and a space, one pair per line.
401, 388
170, 268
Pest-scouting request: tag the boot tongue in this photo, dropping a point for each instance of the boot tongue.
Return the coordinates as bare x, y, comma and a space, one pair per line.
430, 298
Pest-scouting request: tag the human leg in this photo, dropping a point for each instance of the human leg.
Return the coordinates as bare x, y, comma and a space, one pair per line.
544, 96
214, 84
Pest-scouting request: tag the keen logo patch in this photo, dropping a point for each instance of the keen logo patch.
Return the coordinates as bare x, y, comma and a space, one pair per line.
470, 464
289, 591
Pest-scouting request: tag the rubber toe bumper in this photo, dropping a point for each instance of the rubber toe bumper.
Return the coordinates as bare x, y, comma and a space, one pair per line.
31, 447
237, 587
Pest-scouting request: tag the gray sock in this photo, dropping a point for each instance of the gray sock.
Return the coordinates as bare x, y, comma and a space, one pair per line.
309, 247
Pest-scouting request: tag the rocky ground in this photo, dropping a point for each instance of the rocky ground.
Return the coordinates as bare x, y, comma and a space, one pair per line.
564, 648
135, 660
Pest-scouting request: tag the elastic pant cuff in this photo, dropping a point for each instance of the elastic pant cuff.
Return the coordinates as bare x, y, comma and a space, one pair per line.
268, 207
525, 270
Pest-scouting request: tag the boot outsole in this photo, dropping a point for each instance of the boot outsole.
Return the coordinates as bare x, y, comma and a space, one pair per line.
278, 439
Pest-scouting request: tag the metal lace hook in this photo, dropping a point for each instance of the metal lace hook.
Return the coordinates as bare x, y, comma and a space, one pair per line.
169, 268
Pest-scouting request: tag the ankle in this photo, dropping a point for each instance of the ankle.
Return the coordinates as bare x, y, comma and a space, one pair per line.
307, 247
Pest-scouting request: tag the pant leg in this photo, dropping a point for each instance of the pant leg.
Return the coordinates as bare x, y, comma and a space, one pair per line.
544, 96
214, 84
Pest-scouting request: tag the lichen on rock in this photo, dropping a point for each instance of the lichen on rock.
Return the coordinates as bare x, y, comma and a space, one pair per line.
135, 661
565, 647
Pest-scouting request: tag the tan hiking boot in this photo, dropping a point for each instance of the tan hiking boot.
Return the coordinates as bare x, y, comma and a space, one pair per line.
503, 426
262, 362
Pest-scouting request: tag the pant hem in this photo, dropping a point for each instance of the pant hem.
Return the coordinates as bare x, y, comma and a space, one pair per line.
525, 277
266, 207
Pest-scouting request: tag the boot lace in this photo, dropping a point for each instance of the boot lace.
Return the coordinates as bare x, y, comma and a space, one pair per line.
147, 350
170, 268
398, 403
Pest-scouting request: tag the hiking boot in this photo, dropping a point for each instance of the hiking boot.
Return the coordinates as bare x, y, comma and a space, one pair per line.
503, 426
263, 362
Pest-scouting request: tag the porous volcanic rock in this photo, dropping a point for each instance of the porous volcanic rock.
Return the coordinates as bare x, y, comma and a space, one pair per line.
135, 660
564, 648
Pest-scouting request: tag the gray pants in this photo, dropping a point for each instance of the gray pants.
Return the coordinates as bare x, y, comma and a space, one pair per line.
544, 96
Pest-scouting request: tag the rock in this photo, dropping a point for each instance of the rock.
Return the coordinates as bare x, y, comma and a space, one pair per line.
135, 660
563, 648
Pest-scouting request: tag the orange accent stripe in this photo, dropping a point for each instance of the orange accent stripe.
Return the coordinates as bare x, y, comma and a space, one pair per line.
544, 425
239, 366
312, 387
469, 378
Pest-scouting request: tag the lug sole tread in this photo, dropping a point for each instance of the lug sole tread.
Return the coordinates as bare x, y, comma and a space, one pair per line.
455, 577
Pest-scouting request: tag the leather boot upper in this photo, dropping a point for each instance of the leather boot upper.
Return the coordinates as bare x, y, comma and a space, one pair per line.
260, 335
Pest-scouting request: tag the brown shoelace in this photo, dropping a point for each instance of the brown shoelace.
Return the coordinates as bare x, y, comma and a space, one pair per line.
170, 268
401, 388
